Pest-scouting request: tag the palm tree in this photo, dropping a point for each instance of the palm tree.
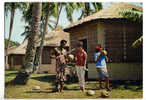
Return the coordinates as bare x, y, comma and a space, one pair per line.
11, 7
133, 14
39, 51
89, 8
27, 68
136, 16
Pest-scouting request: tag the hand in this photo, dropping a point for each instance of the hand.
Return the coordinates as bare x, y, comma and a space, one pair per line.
85, 69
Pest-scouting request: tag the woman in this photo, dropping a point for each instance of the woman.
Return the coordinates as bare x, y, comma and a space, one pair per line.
60, 54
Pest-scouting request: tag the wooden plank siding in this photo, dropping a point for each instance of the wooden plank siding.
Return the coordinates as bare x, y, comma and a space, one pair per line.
114, 40
119, 71
118, 40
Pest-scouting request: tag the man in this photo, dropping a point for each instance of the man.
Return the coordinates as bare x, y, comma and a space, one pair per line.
81, 58
100, 60
60, 54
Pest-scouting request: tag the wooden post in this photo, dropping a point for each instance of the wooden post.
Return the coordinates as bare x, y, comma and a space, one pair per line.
12, 63
124, 42
100, 34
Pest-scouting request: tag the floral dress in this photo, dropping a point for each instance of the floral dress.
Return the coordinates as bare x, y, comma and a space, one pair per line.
60, 64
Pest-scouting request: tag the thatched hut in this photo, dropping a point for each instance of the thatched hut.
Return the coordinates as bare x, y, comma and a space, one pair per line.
16, 56
116, 34
52, 40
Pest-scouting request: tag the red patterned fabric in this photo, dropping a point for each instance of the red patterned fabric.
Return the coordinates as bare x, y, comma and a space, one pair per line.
81, 56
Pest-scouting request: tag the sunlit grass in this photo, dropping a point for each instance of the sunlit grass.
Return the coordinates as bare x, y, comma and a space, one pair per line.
45, 81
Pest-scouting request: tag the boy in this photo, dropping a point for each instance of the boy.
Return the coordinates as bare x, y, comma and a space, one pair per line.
100, 59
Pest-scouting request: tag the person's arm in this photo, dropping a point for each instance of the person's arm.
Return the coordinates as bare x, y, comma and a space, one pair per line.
85, 58
97, 59
106, 58
85, 55
75, 55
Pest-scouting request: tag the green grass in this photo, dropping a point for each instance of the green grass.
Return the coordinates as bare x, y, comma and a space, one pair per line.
45, 81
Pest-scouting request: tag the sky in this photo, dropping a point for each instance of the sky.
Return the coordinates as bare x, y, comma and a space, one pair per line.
18, 26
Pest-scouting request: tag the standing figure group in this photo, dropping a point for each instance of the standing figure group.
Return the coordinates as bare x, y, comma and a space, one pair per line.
81, 59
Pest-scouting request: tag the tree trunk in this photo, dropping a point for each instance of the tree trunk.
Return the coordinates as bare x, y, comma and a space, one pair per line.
61, 5
26, 69
10, 32
39, 52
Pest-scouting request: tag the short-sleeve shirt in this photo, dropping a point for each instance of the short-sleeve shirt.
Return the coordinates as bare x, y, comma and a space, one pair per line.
62, 52
102, 60
81, 57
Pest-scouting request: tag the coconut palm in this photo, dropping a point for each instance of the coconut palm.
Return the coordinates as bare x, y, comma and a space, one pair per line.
39, 51
89, 8
138, 42
27, 68
137, 16
11, 7
133, 14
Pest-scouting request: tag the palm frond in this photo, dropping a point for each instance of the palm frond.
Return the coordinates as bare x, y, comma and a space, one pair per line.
138, 42
133, 14
97, 6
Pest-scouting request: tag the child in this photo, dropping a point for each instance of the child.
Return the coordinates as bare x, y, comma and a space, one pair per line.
100, 59
81, 58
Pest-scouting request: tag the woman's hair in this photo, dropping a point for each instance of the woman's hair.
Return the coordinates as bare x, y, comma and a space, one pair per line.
80, 44
63, 41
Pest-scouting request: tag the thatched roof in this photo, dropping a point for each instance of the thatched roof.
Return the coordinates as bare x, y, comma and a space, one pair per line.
18, 49
53, 38
111, 12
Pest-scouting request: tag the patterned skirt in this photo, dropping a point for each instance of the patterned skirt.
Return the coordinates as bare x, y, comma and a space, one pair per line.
60, 72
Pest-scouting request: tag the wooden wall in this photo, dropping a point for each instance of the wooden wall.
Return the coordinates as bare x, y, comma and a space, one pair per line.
119, 71
88, 32
119, 36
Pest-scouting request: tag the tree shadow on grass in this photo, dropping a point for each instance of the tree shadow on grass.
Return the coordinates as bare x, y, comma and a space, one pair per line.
127, 85
76, 88
46, 78
11, 74
39, 91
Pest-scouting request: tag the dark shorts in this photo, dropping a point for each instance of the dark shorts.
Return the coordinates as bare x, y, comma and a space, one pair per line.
102, 72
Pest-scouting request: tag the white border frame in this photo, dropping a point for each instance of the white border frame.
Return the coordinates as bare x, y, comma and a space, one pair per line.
2, 40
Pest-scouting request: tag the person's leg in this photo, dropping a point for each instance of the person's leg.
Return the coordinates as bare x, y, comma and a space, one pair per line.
82, 79
106, 76
78, 73
107, 83
99, 78
56, 85
100, 83
61, 86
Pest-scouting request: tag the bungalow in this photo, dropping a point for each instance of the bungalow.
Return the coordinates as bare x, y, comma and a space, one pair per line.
48, 64
116, 34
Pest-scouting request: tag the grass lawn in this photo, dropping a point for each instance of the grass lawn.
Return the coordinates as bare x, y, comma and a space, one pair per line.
45, 81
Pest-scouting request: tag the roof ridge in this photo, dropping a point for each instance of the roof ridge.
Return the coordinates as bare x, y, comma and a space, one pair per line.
110, 12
